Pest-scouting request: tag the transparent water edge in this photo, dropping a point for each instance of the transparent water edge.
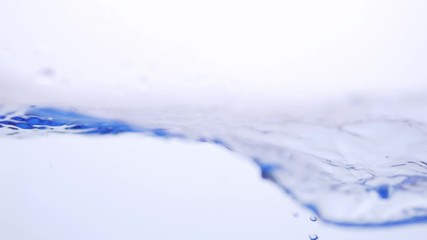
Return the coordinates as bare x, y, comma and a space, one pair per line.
358, 174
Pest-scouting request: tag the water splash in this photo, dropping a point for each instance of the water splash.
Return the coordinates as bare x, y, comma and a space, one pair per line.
360, 173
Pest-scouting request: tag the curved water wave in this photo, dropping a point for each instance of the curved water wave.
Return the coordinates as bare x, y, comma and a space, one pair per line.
360, 173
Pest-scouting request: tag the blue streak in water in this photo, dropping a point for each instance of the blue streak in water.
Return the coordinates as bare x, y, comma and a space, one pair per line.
383, 191
266, 169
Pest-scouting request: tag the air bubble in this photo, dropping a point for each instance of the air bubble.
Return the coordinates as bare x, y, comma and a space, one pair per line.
313, 218
313, 237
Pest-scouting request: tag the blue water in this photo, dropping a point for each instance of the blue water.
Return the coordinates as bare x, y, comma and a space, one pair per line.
366, 173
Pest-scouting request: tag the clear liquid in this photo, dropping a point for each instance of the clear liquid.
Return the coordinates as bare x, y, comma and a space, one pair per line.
354, 174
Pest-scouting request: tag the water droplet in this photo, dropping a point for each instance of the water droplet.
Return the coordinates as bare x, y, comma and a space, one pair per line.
313, 237
295, 214
47, 72
46, 76
313, 218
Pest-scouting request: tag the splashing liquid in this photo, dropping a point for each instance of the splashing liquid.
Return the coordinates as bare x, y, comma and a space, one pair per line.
354, 174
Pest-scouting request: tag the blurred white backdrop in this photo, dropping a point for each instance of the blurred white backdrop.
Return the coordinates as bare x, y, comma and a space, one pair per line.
224, 52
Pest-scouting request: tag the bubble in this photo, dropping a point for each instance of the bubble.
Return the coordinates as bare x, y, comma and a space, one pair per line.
313, 237
313, 218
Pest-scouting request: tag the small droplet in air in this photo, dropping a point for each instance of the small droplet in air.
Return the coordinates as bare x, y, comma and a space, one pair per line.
313, 218
295, 214
46, 76
313, 237
48, 72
